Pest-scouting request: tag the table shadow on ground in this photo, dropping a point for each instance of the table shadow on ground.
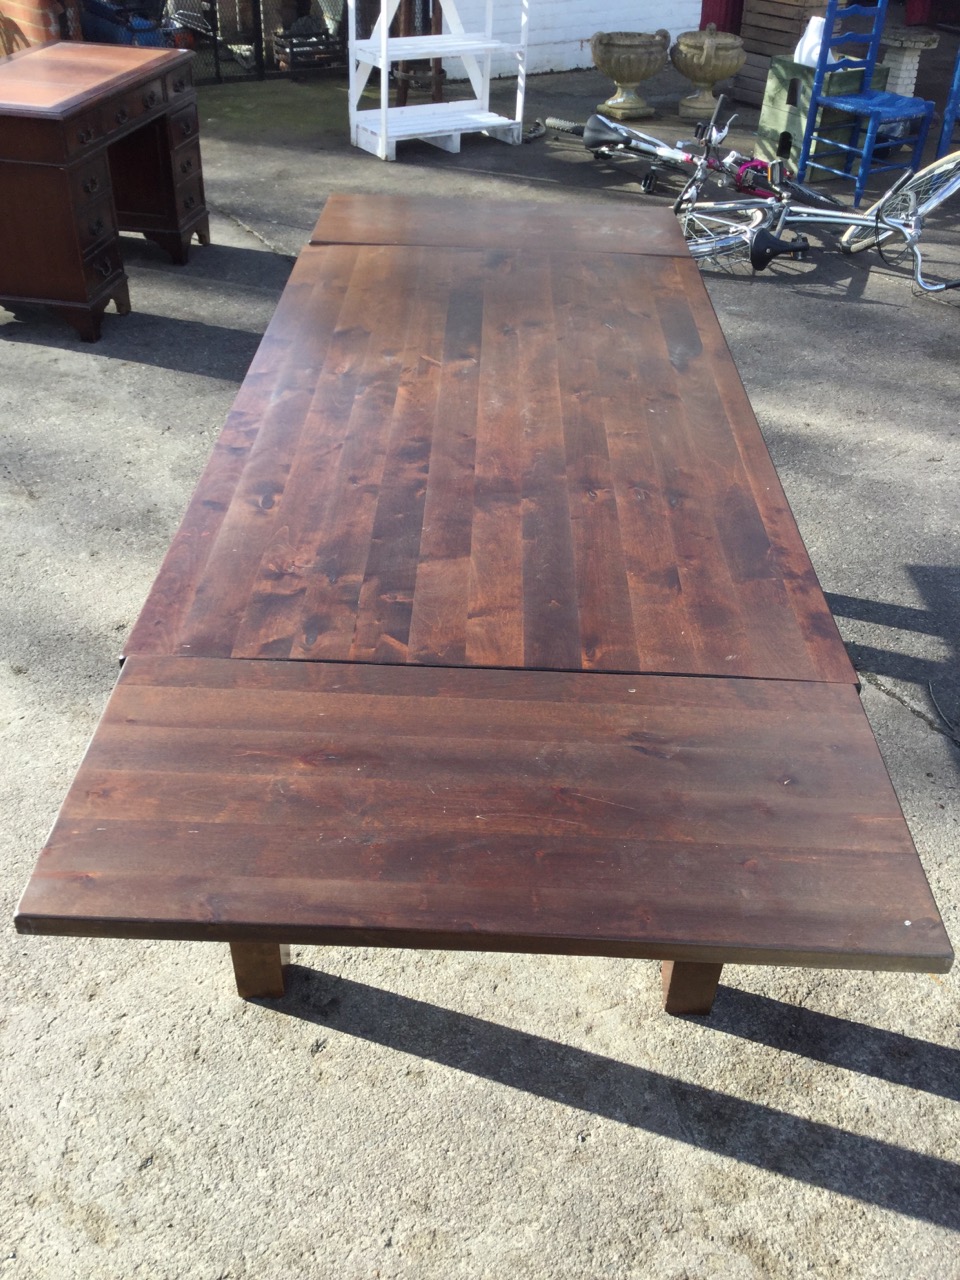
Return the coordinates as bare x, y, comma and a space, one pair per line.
939, 587
839, 1042
850, 1164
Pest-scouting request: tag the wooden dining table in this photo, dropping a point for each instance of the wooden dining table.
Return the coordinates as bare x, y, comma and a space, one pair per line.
489, 627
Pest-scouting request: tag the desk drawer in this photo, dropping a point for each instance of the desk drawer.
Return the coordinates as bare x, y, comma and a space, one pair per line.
84, 132
133, 105
183, 125
102, 266
178, 83
186, 163
189, 199
91, 181
95, 224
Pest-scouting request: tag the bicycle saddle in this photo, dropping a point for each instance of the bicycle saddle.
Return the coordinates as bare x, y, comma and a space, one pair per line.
765, 246
600, 132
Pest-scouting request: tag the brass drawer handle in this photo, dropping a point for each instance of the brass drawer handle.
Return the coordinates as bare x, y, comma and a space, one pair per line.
122, 116
105, 267
186, 166
150, 99
85, 136
91, 185
186, 128
179, 85
189, 202
96, 227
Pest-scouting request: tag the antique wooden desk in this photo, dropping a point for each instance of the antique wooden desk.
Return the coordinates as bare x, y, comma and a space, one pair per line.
489, 627
94, 139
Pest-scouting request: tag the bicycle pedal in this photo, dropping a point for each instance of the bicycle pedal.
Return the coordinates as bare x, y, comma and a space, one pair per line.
801, 250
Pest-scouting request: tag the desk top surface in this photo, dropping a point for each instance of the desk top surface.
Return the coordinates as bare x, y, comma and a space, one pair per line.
597, 227
503, 458
57, 79
700, 819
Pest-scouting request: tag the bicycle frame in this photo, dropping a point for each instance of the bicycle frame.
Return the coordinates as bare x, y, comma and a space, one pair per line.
612, 139
776, 215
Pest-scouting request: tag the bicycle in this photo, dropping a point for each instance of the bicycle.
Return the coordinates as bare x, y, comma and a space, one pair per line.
756, 228
610, 140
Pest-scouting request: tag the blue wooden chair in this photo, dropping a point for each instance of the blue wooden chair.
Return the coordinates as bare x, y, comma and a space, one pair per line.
884, 125
950, 113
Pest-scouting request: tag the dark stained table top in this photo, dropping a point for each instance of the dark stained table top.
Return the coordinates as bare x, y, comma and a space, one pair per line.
454, 223
533, 655
502, 458
693, 819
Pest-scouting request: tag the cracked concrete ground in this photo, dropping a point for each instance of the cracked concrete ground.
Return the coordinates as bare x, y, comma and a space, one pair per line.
427, 1115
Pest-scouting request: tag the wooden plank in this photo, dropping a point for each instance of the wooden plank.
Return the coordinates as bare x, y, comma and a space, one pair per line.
787, 28
596, 492
496, 458
764, 6
443, 379
551, 604
452, 222
751, 82
752, 7
749, 85
493, 634
262, 429
775, 10
698, 820
769, 45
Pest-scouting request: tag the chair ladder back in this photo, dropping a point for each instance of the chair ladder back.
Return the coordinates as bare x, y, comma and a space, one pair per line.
836, 13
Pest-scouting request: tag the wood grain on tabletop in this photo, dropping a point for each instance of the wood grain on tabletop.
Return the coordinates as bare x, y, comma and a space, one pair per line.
598, 226
492, 458
698, 819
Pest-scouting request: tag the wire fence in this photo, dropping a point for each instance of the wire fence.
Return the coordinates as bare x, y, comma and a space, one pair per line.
247, 39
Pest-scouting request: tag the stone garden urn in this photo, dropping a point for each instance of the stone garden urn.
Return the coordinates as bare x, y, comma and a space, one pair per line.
705, 58
628, 57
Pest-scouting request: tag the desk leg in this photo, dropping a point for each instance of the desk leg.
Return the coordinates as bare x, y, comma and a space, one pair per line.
86, 320
689, 987
177, 243
258, 968
121, 298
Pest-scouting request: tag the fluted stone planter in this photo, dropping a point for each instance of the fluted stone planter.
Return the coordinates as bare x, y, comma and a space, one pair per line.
705, 58
629, 58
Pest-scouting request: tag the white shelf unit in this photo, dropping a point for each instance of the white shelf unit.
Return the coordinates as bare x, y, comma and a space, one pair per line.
378, 129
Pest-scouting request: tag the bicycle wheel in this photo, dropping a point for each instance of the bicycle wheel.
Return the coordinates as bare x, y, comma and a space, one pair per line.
930, 185
721, 230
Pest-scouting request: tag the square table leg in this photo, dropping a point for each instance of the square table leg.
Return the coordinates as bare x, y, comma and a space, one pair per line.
689, 987
258, 968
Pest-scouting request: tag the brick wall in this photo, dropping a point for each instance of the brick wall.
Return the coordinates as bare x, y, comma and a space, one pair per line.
25, 22
560, 30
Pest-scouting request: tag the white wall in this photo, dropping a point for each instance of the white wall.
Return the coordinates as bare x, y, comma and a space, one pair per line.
560, 30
